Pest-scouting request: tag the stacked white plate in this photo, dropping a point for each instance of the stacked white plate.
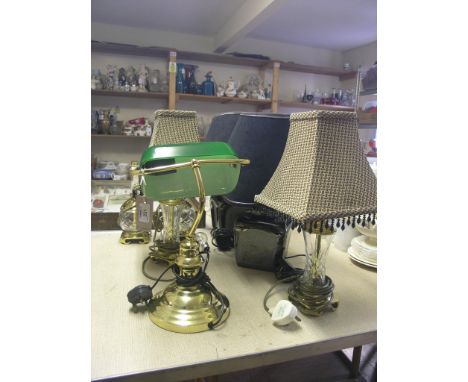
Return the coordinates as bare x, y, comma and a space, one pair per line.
364, 251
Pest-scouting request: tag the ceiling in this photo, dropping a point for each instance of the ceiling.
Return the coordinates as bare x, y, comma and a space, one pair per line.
331, 24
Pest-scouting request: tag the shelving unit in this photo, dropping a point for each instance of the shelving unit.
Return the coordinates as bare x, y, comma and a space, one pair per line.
173, 54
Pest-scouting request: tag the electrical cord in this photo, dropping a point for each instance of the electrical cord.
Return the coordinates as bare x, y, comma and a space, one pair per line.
146, 274
267, 295
222, 238
283, 269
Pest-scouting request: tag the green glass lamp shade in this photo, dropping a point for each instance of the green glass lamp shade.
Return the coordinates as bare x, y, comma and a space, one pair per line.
218, 179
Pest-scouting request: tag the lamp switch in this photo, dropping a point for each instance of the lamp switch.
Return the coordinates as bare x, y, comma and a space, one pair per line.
283, 313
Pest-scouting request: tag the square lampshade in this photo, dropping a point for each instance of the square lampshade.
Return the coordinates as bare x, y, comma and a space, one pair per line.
323, 173
174, 126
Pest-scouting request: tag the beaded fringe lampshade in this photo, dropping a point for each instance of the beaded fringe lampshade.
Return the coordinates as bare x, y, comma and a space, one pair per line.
323, 180
174, 126
323, 174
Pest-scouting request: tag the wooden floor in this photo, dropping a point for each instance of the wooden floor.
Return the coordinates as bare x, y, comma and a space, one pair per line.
324, 368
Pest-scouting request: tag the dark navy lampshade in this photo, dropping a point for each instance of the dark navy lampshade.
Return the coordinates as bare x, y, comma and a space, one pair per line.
221, 127
260, 138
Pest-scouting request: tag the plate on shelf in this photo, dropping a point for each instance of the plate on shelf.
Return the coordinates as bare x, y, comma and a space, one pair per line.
354, 256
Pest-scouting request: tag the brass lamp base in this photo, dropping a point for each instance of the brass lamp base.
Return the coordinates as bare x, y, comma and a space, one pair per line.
312, 299
135, 237
183, 309
164, 254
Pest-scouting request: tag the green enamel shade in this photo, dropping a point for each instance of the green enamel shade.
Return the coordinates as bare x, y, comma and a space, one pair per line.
218, 179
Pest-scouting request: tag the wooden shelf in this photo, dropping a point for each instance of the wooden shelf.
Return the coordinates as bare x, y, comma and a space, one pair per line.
117, 136
104, 182
113, 93
305, 105
203, 98
135, 50
368, 92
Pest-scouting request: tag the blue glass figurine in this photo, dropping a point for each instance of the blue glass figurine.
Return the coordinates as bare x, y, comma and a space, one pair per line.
208, 85
181, 87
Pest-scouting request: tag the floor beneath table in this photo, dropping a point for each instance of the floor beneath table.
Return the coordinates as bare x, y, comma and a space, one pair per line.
324, 368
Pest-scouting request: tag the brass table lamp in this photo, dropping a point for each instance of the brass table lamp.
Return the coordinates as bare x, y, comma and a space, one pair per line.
172, 218
127, 216
323, 181
174, 172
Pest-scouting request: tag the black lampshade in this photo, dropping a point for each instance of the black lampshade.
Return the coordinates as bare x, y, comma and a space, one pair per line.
222, 126
261, 138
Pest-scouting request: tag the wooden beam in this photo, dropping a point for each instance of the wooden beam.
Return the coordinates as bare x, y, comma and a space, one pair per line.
172, 80
247, 17
275, 87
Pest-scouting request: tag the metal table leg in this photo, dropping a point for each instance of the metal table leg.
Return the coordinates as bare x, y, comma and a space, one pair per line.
356, 361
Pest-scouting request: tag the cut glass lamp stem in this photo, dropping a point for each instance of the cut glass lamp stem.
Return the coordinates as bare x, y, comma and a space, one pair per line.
312, 293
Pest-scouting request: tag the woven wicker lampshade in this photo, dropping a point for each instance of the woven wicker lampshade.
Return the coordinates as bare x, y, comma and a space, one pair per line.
174, 126
323, 173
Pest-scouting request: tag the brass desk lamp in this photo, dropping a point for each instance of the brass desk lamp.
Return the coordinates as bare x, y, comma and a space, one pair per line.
323, 181
174, 172
173, 218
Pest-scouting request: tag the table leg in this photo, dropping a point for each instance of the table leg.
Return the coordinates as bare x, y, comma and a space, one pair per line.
355, 364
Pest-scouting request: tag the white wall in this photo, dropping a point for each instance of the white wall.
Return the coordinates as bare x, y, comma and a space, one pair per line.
363, 56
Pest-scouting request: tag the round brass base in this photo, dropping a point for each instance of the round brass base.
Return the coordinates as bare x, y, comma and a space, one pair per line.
312, 299
186, 309
135, 237
164, 254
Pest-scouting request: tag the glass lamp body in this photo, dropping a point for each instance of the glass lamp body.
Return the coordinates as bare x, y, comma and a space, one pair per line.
316, 248
312, 292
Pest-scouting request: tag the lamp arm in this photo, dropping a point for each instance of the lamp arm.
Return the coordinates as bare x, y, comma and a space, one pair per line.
178, 166
201, 191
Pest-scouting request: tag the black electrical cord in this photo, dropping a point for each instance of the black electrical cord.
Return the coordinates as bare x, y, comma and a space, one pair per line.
161, 275
143, 265
284, 270
222, 238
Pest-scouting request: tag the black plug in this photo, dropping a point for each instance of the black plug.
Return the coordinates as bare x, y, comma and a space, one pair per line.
140, 294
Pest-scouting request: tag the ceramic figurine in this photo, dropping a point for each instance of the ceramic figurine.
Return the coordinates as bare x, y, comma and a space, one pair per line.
220, 90
268, 92
190, 81
208, 84
122, 79
132, 79
110, 78
153, 80
242, 94
93, 80
261, 94
180, 79
231, 88
142, 78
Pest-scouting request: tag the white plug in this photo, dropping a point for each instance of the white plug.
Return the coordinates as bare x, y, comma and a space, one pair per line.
283, 313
